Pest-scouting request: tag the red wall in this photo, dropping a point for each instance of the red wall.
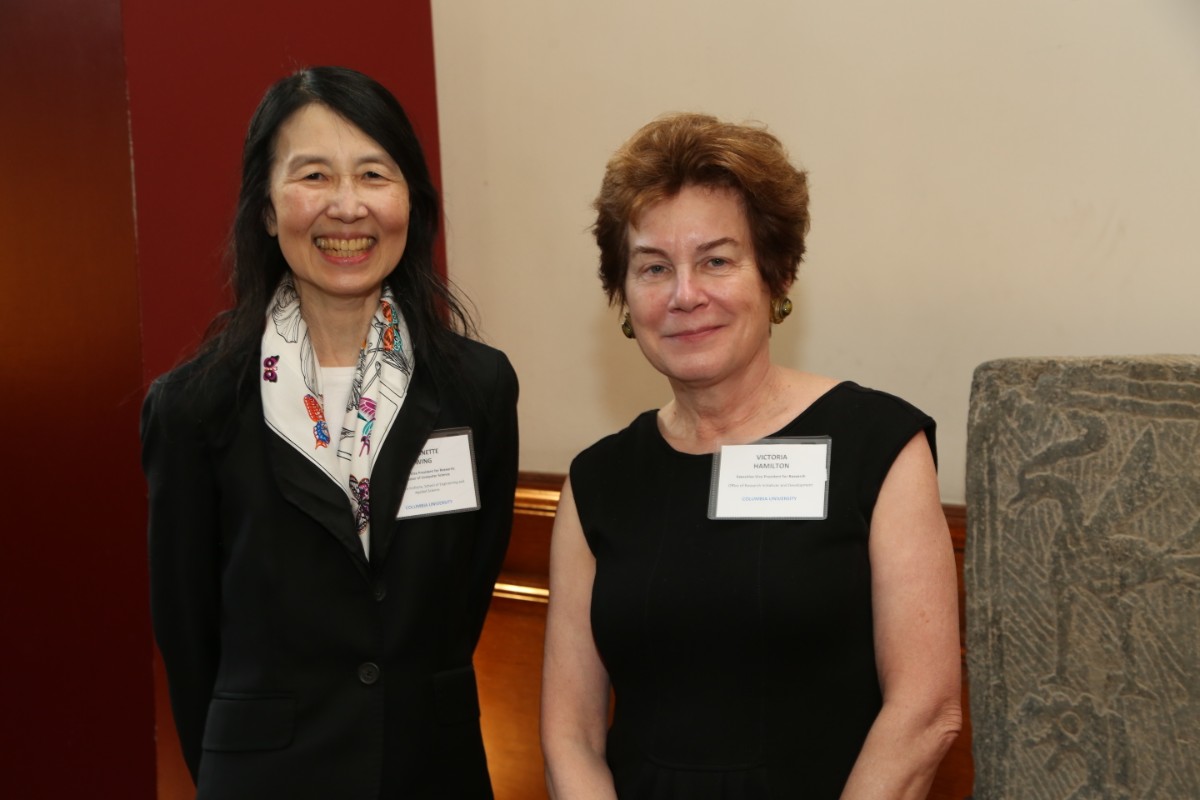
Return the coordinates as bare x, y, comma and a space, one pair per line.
196, 73
76, 708
101, 293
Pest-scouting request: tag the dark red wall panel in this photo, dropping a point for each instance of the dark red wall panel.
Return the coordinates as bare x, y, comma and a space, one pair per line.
196, 73
76, 713
90, 311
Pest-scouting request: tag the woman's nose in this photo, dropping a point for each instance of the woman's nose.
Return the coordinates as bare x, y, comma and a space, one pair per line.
346, 203
688, 293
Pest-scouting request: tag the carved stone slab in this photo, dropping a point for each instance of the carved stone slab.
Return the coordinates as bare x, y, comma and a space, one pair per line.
1083, 578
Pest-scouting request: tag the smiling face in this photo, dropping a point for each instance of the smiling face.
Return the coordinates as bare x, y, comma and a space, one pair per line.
697, 302
339, 207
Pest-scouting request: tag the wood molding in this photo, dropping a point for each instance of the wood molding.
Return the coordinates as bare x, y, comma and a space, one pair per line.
550, 481
536, 501
539, 491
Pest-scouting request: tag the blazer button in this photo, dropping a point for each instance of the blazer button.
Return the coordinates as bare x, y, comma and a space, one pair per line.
379, 591
368, 672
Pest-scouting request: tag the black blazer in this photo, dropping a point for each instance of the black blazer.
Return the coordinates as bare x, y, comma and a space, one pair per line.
297, 668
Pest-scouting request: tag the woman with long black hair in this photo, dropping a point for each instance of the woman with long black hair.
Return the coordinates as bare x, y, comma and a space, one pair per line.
331, 477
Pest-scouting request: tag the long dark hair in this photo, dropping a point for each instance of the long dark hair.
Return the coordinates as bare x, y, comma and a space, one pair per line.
431, 309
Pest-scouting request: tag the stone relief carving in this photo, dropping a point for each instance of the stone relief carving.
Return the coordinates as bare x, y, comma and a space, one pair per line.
1083, 578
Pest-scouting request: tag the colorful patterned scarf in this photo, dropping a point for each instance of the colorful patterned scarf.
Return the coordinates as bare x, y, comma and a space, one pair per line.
293, 402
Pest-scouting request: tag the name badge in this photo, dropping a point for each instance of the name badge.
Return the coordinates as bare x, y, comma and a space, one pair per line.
779, 478
443, 481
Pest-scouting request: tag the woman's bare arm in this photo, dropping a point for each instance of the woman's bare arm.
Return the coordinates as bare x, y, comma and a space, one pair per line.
575, 685
915, 603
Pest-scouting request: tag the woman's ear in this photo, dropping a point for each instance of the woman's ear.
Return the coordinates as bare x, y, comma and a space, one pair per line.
269, 220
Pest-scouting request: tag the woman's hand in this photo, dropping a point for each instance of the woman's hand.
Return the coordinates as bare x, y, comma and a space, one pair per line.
575, 687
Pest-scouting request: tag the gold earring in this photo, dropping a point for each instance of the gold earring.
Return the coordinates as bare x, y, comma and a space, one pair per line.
627, 326
781, 307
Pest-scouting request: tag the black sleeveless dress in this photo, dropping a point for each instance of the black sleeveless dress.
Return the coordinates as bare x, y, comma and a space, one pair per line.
740, 652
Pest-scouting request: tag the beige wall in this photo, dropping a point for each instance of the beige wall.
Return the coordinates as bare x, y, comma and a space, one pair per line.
989, 179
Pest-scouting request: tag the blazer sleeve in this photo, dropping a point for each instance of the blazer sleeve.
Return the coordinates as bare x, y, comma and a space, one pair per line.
184, 556
497, 459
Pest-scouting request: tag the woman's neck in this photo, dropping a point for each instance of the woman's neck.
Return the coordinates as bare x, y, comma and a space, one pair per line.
337, 327
701, 420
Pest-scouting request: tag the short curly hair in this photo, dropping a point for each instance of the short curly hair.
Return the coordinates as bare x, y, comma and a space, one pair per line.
696, 149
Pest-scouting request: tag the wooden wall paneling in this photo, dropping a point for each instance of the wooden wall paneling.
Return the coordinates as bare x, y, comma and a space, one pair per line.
509, 668
508, 661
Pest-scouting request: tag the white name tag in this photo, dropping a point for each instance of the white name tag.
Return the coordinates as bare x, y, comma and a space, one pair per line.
443, 480
781, 478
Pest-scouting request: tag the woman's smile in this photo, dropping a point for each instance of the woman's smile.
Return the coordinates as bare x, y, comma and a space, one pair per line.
693, 334
339, 207
344, 249
698, 304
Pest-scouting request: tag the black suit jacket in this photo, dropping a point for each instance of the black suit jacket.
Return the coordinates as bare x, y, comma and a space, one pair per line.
297, 667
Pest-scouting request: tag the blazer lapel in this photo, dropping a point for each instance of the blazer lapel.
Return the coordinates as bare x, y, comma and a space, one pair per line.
310, 490
306, 487
389, 476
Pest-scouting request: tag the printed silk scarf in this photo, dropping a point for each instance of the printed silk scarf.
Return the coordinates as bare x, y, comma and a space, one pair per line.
293, 401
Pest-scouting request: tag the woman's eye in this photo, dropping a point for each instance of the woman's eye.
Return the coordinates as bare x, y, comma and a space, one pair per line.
718, 262
313, 176
656, 269
372, 175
